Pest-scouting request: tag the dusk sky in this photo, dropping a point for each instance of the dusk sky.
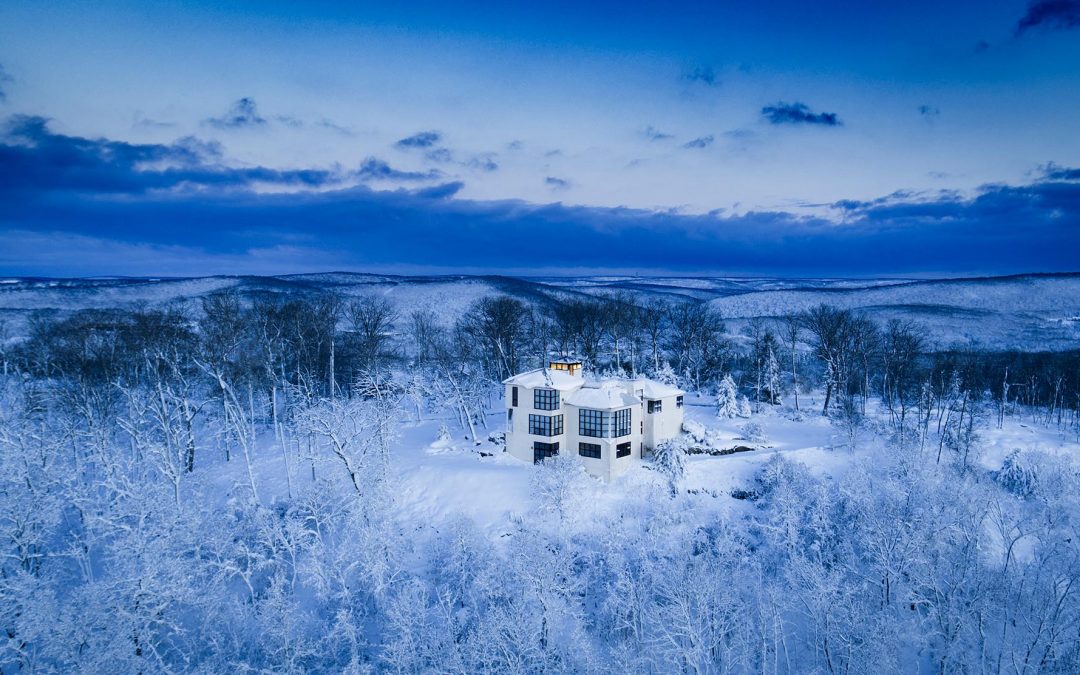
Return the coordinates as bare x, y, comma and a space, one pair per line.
775, 138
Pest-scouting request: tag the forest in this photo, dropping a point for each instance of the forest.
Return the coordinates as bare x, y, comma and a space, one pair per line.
142, 531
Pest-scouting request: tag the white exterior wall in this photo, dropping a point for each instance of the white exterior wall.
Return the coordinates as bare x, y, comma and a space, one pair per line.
646, 431
660, 426
608, 466
519, 442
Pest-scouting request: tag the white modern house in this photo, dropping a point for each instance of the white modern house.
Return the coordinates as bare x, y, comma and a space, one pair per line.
607, 423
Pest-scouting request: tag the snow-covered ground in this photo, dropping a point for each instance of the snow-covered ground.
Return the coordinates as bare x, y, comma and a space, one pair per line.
438, 481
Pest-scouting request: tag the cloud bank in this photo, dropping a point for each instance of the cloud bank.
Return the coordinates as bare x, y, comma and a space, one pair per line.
79, 206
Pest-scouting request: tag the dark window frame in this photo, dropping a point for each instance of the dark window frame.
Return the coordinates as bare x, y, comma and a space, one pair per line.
620, 423
513, 396
546, 425
591, 423
542, 450
590, 450
678, 401
623, 449
655, 406
604, 423
546, 399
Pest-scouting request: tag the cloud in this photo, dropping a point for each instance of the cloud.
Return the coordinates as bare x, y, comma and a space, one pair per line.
557, 183
484, 162
289, 121
1054, 172
243, 114
34, 160
700, 142
85, 206
703, 74
376, 169
424, 139
5, 79
798, 113
143, 122
653, 134
929, 111
333, 126
441, 155
1050, 14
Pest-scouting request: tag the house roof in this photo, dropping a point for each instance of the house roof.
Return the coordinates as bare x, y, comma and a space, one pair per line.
602, 396
546, 378
653, 389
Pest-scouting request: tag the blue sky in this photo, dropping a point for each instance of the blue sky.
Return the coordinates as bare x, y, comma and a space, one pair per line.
790, 138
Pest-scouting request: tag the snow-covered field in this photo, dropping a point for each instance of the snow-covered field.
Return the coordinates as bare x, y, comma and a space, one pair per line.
440, 481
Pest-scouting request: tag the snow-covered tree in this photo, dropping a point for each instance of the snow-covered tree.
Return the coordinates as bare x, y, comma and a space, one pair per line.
744, 407
727, 399
558, 484
669, 458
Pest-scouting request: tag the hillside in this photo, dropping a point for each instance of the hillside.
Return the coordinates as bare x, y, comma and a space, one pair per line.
1022, 312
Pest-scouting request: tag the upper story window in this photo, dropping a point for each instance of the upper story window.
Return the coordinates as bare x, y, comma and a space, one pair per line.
604, 424
655, 407
545, 425
678, 401
546, 399
513, 396
622, 422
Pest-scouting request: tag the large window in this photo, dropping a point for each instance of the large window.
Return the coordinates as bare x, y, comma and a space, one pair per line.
542, 451
622, 450
591, 423
656, 406
603, 424
622, 422
546, 399
513, 396
589, 450
545, 425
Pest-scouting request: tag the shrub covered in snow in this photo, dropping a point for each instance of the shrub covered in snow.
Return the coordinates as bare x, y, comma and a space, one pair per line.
752, 431
444, 433
695, 430
1017, 475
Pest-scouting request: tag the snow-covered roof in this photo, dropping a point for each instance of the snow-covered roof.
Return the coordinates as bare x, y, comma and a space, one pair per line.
602, 396
546, 378
653, 389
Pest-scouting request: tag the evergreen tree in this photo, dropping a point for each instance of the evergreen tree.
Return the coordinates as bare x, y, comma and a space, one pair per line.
727, 398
